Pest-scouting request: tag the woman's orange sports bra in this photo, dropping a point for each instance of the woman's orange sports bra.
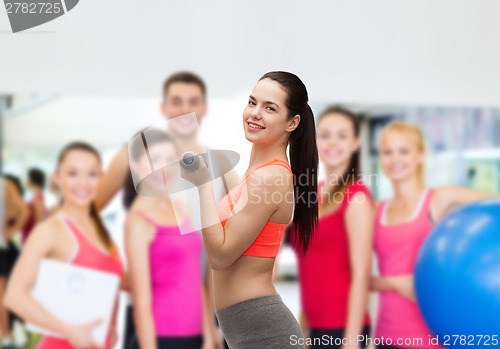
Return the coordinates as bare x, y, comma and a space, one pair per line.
268, 241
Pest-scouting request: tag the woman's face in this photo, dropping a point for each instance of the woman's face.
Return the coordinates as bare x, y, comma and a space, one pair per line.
78, 176
336, 140
265, 118
164, 157
400, 155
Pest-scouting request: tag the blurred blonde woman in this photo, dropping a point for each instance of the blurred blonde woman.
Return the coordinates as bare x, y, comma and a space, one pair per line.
402, 224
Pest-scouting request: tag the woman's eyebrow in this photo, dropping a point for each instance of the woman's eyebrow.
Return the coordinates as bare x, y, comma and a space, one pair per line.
269, 102
266, 102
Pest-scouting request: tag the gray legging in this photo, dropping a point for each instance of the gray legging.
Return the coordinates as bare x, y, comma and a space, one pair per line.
258, 323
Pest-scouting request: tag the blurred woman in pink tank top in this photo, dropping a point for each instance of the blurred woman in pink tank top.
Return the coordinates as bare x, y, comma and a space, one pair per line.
169, 308
402, 224
74, 235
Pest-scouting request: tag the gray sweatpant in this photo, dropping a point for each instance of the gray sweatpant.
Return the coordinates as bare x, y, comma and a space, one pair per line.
260, 323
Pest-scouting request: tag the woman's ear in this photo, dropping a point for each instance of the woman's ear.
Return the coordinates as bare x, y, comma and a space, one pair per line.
293, 123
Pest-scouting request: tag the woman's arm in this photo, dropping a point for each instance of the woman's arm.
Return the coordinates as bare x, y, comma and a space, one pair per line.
402, 284
125, 282
39, 210
18, 296
304, 326
224, 245
113, 179
381, 283
113, 322
16, 209
359, 220
210, 308
209, 328
448, 198
138, 235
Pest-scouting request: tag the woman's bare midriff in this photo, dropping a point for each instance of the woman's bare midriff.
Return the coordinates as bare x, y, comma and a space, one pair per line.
249, 277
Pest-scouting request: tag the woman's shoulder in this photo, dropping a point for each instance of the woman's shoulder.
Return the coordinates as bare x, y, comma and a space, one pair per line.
52, 223
272, 169
270, 177
136, 213
357, 188
48, 230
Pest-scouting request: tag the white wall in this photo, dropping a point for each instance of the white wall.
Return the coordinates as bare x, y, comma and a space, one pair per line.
105, 122
386, 51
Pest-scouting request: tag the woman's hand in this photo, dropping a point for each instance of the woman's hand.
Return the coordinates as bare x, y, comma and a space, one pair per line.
404, 286
380, 284
80, 336
199, 176
209, 342
113, 337
304, 326
208, 345
217, 338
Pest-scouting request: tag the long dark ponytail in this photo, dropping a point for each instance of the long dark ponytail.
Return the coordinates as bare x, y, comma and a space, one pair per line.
303, 158
102, 232
353, 171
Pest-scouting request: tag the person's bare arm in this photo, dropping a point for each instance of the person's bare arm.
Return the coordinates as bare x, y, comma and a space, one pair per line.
39, 210
359, 223
113, 179
208, 320
18, 296
125, 282
381, 284
138, 235
402, 284
448, 198
304, 325
231, 178
208, 289
224, 245
16, 209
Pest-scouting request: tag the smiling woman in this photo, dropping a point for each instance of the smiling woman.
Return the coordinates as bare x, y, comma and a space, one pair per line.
75, 235
413, 210
243, 244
